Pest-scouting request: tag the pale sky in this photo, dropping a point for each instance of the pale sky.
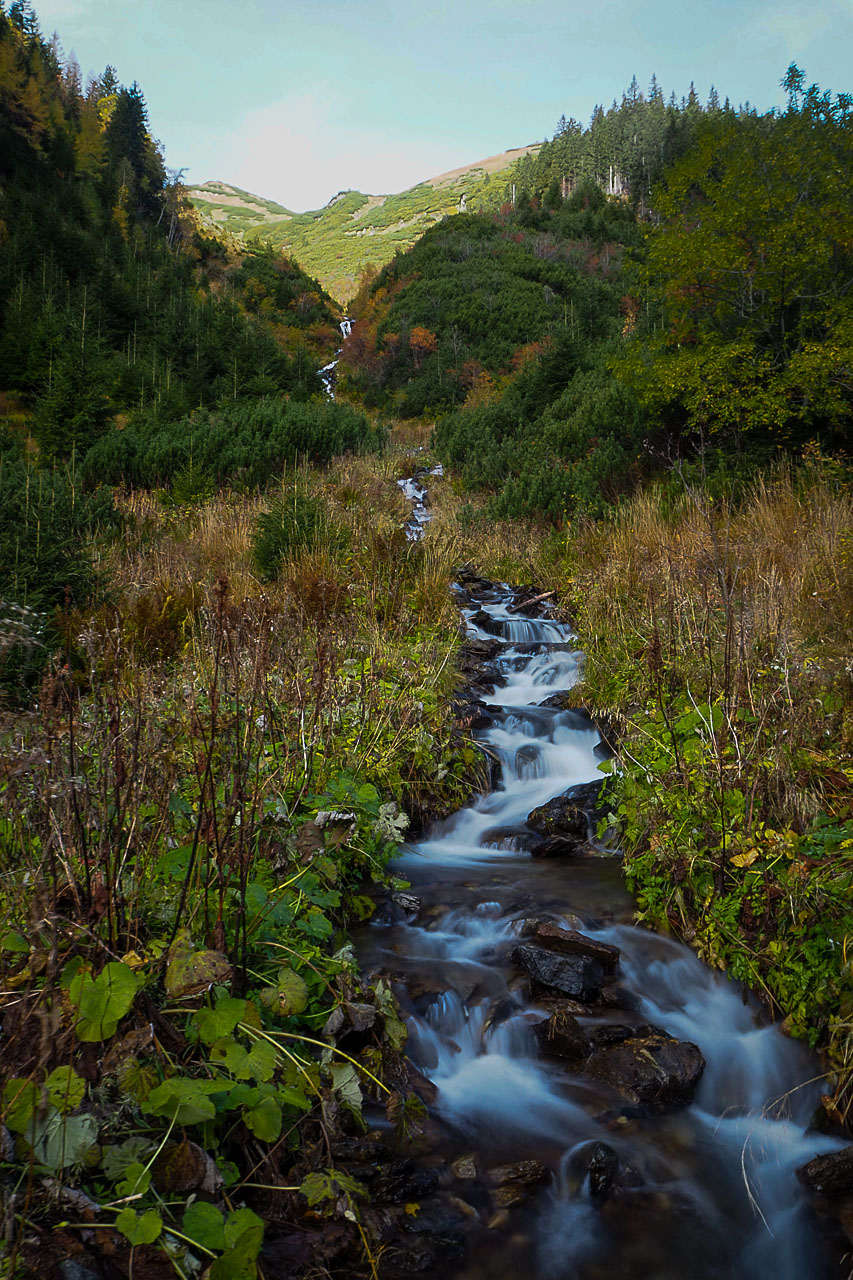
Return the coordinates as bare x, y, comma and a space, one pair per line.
298, 100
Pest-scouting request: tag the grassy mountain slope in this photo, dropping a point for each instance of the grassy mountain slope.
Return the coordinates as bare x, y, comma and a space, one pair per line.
234, 210
353, 232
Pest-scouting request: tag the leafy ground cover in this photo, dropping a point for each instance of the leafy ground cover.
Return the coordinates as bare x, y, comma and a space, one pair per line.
193, 810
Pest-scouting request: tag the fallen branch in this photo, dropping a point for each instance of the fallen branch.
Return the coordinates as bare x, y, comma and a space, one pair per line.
515, 608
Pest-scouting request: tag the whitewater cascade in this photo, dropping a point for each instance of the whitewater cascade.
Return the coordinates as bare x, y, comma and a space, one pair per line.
415, 491
327, 373
704, 1191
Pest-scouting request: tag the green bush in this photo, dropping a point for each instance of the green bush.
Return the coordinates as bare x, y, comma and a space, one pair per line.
294, 521
47, 524
246, 444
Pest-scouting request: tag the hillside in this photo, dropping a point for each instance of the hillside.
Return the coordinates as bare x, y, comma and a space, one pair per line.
490, 321
353, 231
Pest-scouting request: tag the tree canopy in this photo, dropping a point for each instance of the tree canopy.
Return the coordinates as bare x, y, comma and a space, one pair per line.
749, 274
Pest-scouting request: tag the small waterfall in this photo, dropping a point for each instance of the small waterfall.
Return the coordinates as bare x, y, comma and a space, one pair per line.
415, 491
327, 373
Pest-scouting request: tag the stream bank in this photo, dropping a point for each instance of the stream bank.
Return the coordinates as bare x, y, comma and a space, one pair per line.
604, 1103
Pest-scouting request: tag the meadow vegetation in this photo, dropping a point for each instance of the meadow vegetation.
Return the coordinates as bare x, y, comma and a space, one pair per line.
201, 800
716, 635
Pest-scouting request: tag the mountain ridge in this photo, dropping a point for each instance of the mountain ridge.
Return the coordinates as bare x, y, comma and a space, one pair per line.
355, 231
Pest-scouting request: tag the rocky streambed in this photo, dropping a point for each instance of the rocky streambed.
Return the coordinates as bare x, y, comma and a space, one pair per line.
600, 1102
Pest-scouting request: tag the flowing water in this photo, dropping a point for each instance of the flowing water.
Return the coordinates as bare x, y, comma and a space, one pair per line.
327, 373
415, 491
708, 1191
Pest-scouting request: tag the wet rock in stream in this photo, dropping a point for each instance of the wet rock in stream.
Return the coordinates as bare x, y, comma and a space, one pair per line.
569, 816
476, 662
409, 903
563, 702
562, 1036
602, 1170
485, 621
577, 976
646, 1066
569, 942
472, 715
831, 1174
515, 1183
510, 838
556, 847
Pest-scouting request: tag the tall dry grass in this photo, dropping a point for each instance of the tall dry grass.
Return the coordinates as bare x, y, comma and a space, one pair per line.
717, 636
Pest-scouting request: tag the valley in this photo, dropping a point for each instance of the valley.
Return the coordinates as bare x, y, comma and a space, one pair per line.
353, 233
426, 709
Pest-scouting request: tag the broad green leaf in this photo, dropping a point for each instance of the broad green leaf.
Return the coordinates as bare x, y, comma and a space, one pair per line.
103, 1001
289, 1096
65, 1089
183, 1100
11, 940
240, 1261
213, 1024
21, 1099
174, 864
205, 1224
62, 1141
233, 1056
396, 1031
228, 1169
262, 1060
192, 971
136, 1181
289, 995
346, 1085
116, 1160
242, 1095
139, 1228
137, 1079
238, 1222
315, 924
320, 1187
361, 906
264, 1120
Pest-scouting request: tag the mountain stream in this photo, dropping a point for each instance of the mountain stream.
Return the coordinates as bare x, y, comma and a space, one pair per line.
553, 1166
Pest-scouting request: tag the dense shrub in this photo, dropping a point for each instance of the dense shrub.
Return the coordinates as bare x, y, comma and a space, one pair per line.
294, 521
549, 458
47, 523
477, 294
246, 443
